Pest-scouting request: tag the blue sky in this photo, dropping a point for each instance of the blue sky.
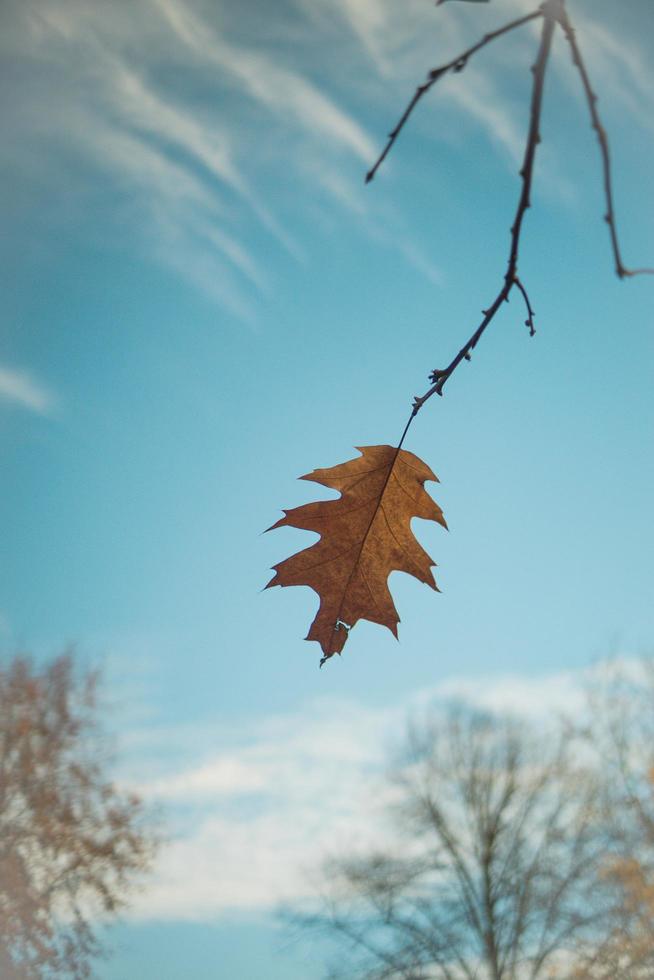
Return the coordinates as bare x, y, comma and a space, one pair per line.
201, 301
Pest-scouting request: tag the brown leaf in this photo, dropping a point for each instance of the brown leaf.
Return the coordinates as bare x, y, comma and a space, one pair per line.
364, 536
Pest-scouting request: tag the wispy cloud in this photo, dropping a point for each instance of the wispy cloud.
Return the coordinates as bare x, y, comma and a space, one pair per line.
178, 217
404, 43
183, 159
188, 114
185, 125
173, 164
266, 802
284, 92
23, 390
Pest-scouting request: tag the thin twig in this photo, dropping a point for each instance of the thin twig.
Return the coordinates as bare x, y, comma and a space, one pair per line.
591, 98
529, 322
439, 377
457, 64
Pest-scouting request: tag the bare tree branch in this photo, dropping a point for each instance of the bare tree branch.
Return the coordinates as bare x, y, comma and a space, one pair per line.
529, 322
456, 64
621, 270
495, 872
440, 377
553, 12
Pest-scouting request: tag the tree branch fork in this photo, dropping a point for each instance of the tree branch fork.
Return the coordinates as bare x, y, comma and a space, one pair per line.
553, 13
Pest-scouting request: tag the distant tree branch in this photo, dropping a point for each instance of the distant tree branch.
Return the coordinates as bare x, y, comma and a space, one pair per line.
496, 870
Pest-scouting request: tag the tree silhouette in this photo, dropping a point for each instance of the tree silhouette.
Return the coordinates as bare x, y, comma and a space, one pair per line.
491, 873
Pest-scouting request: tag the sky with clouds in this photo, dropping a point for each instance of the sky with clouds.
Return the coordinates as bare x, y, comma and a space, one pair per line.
202, 301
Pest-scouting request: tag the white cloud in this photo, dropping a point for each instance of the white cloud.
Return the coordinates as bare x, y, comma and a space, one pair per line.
188, 120
536, 698
179, 217
23, 390
183, 172
283, 91
266, 803
405, 42
251, 818
175, 172
139, 105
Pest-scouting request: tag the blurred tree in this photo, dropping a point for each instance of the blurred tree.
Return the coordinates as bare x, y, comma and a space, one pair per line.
493, 873
71, 843
620, 733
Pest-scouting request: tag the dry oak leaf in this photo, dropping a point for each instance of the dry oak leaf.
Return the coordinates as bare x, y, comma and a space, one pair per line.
364, 535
